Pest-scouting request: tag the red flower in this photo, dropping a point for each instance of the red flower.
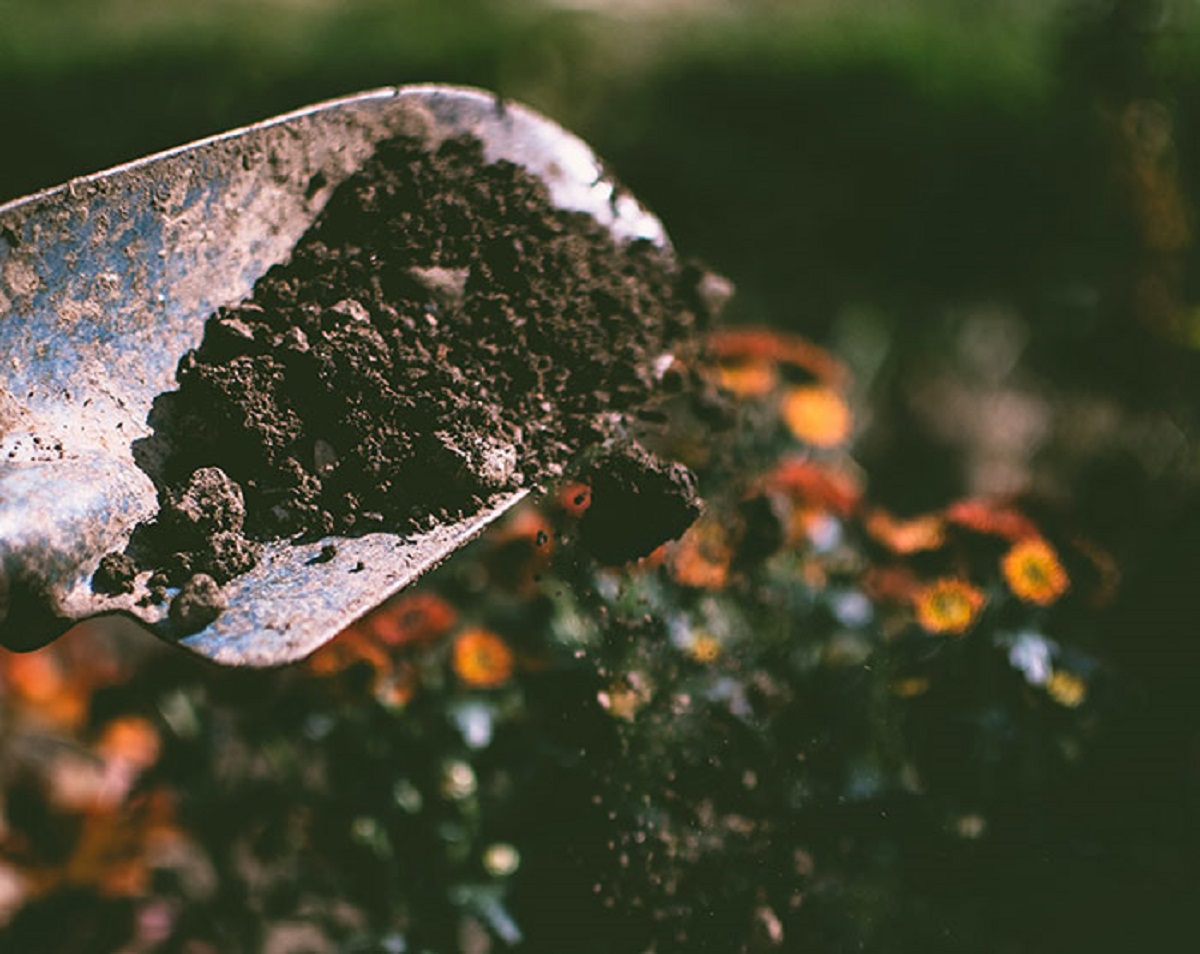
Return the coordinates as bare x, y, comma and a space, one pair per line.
806, 482
991, 519
411, 618
735, 345
574, 498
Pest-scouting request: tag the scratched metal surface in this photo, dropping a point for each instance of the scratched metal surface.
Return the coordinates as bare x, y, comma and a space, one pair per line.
106, 282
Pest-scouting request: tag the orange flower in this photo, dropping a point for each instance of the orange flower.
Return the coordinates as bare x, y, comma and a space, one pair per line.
114, 849
948, 606
44, 688
411, 618
904, 537
804, 481
350, 647
991, 519
765, 344
817, 415
1034, 572
748, 379
130, 740
702, 556
481, 658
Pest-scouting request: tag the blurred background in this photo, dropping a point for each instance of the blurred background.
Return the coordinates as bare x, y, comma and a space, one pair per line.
987, 209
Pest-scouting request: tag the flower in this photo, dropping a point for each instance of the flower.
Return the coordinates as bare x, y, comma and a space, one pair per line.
114, 851
130, 739
948, 606
458, 780
890, 584
1033, 656
396, 688
412, 618
501, 859
702, 556
704, 648
991, 519
350, 647
749, 378
817, 415
482, 659
1066, 688
1034, 573
731, 345
44, 688
807, 482
904, 537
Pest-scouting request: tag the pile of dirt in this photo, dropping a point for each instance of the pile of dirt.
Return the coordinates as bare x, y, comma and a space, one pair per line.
442, 333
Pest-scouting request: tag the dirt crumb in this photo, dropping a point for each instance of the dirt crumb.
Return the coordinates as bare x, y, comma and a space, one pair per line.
115, 575
638, 502
198, 602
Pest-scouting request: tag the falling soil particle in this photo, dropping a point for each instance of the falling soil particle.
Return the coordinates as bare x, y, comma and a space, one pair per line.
198, 602
638, 502
441, 334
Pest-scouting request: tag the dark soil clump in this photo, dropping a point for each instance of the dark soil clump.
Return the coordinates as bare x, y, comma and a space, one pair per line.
198, 602
638, 502
442, 333
114, 575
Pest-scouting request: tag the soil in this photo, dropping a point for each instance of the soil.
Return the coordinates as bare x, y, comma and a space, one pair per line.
442, 333
198, 602
637, 503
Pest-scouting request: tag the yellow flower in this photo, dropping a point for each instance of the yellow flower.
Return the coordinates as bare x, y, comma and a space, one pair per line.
817, 415
1034, 572
948, 606
1066, 688
704, 648
481, 658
